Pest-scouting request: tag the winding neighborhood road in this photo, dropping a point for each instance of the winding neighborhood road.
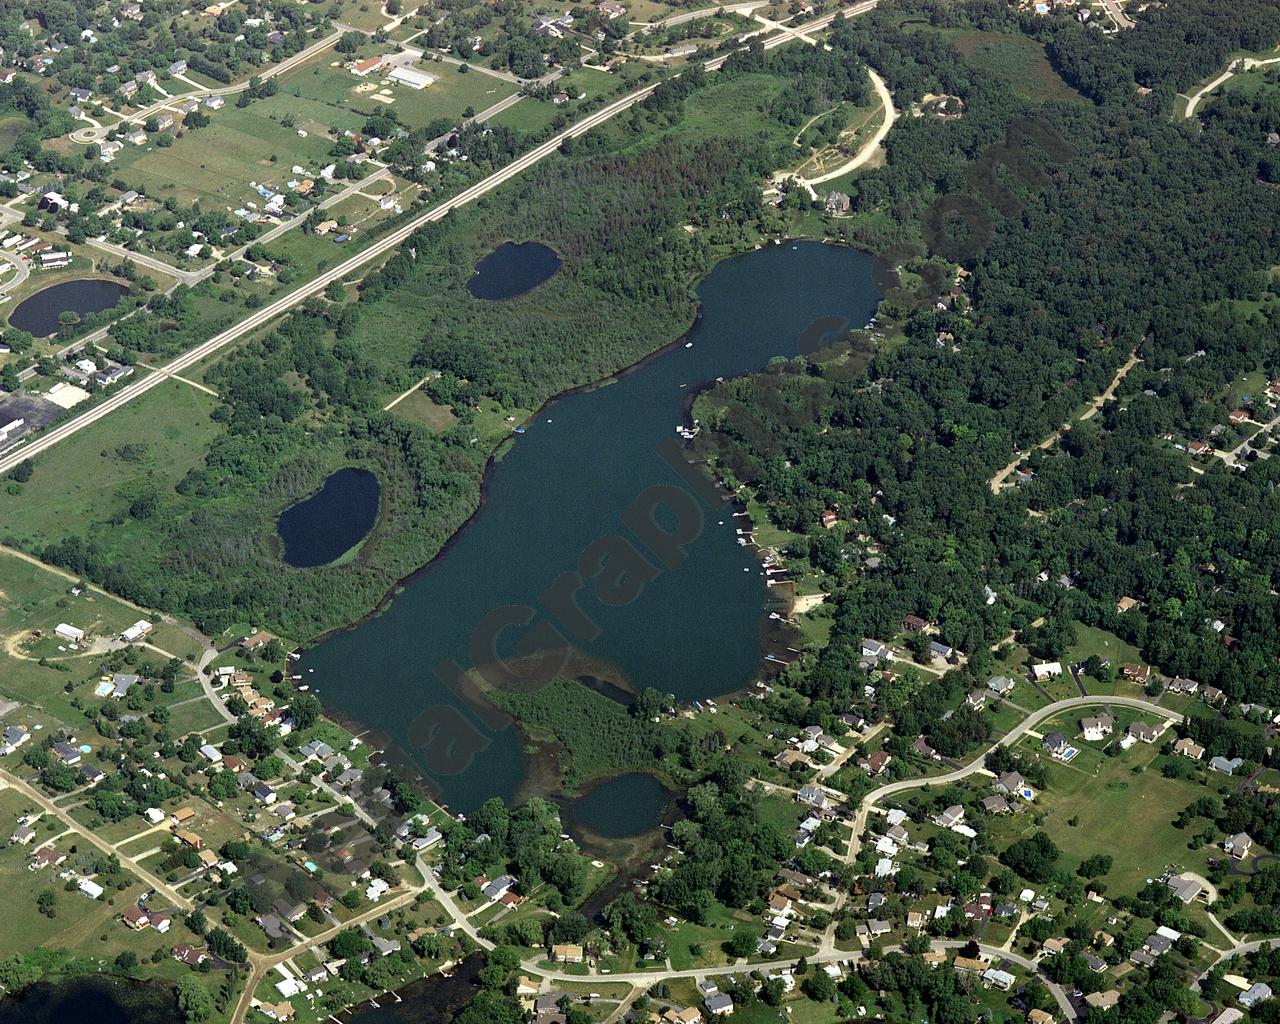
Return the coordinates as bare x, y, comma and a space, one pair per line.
976, 765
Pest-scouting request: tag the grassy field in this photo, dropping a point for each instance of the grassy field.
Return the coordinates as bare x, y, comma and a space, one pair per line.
215, 164
420, 409
97, 474
1101, 794
1018, 59
323, 97
11, 126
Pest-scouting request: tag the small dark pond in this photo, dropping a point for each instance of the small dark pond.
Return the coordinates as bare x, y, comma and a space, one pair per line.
96, 999
513, 269
332, 521
39, 313
433, 1000
623, 806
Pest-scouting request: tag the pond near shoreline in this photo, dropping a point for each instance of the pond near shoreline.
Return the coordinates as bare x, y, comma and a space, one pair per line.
101, 1000
324, 527
620, 807
38, 314
556, 496
513, 269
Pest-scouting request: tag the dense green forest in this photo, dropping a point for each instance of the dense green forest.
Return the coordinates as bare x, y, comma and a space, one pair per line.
1139, 234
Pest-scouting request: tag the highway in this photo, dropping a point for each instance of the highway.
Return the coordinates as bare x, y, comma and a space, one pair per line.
144, 383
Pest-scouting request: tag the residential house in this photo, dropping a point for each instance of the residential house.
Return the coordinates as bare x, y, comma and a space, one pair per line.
567, 953
996, 804
976, 700
65, 753
1179, 684
997, 978
921, 747
1185, 890
46, 857
1097, 727
1055, 744
1238, 845
1001, 686
499, 887
1225, 765
1046, 670
875, 649
1258, 992
1188, 747
14, 737
951, 817
813, 796
1136, 673
875, 764
1212, 696
256, 641
136, 918
1142, 731
719, 1005
1013, 784
837, 203
22, 835
1102, 1000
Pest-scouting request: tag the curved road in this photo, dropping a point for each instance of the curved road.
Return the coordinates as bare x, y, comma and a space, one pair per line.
872, 144
24, 270
1008, 739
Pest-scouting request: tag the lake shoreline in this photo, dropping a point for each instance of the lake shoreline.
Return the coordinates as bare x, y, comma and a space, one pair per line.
770, 631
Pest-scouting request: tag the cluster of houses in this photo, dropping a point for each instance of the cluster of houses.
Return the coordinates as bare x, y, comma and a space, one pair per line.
33, 250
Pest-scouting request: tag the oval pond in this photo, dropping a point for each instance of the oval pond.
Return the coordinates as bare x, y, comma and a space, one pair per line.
39, 313
332, 521
513, 269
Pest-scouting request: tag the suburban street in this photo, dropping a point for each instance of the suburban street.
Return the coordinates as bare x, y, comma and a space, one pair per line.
11, 781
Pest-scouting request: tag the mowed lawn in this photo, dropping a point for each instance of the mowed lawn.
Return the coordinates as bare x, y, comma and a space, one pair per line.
215, 164
1126, 814
95, 475
333, 98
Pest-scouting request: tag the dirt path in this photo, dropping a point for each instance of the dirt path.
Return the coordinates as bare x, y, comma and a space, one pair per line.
872, 144
997, 481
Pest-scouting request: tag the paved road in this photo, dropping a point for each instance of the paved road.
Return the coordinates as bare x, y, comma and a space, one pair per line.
24, 270
49, 807
703, 12
1008, 739
143, 384
1121, 19
997, 481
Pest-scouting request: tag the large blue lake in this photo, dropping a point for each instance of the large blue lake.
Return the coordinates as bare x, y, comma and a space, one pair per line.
585, 460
